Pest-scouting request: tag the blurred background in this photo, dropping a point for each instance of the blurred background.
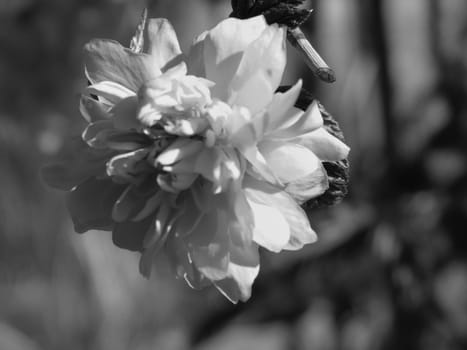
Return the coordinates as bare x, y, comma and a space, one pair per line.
390, 269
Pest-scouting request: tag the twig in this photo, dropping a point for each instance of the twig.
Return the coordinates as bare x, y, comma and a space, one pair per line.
312, 58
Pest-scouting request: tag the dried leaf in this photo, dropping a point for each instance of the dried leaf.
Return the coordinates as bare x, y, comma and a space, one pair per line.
137, 42
286, 12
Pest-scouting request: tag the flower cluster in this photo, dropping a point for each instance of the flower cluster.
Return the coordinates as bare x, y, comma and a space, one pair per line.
196, 154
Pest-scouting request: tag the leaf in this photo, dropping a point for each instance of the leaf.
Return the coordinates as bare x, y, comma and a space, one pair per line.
286, 12
137, 42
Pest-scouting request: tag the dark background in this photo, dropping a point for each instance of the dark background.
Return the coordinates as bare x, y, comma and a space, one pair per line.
390, 269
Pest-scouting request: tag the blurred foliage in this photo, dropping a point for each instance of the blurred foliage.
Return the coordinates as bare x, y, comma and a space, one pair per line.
390, 270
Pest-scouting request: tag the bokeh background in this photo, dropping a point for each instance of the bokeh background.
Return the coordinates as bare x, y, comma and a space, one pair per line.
390, 269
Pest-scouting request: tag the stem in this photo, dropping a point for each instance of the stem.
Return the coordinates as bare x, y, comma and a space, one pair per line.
312, 58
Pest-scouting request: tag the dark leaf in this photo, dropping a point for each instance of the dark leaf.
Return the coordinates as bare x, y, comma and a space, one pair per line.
285, 12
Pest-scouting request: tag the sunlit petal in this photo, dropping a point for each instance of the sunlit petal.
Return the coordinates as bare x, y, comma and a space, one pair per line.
162, 43
324, 145
110, 91
289, 161
298, 231
271, 229
307, 122
309, 186
260, 71
124, 166
281, 112
179, 150
224, 46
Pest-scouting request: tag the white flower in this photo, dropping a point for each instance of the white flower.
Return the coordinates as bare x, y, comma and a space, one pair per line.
210, 160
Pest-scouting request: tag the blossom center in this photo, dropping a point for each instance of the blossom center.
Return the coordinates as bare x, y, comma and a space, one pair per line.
175, 103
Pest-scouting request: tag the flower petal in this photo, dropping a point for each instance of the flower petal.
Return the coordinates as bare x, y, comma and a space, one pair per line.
91, 134
324, 145
301, 235
107, 60
129, 204
162, 43
223, 49
152, 204
288, 161
242, 271
77, 166
110, 91
125, 141
260, 70
179, 150
271, 229
129, 235
195, 57
298, 231
219, 165
308, 121
281, 112
124, 114
90, 204
259, 166
175, 183
203, 195
125, 166
209, 246
162, 225
240, 128
92, 110
240, 217
255, 94
177, 252
190, 217
155, 238
208, 164
310, 186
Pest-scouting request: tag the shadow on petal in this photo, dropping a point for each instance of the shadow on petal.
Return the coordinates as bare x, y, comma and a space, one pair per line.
310, 186
223, 49
90, 204
75, 166
242, 271
130, 235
